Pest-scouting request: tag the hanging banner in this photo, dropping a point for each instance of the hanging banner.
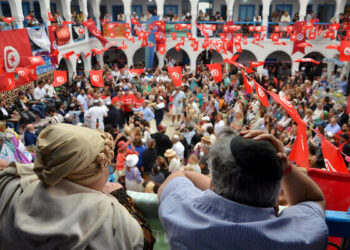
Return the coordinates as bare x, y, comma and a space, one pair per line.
62, 34
39, 37
300, 37
90, 24
53, 46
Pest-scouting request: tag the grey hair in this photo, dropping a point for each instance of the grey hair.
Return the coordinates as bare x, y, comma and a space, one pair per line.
230, 182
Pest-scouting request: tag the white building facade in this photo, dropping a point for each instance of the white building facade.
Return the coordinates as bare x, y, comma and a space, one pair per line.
229, 9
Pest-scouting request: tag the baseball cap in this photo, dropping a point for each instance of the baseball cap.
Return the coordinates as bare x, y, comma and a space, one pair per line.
256, 158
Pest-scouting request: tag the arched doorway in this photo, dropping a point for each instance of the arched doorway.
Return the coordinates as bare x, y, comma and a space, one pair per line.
139, 58
95, 64
312, 68
246, 57
115, 57
279, 63
63, 65
207, 57
80, 65
181, 58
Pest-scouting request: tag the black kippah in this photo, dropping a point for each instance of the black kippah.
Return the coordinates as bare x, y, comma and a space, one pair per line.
256, 158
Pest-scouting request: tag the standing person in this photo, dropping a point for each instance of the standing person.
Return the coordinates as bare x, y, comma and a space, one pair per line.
173, 159
163, 141
128, 100
178, 147
149, 157
159, 111
95, 116
178, 101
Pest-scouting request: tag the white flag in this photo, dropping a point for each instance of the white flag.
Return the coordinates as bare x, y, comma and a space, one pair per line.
39, 37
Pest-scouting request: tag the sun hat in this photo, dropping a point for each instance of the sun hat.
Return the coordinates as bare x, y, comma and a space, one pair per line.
131, 160
206, 138
169, 153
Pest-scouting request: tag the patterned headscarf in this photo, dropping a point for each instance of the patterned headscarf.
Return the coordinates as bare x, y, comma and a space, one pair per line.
71, 152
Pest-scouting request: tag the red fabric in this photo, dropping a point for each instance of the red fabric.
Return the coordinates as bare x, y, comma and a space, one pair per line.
59, 78
68, 54
14, 49
8, 19
274, 37
10, 82
312, 35
344, 51
36, 60
90, 24
96, 77
62, 34
333, 159
255, 64
261, 93
238, 47
162, 49
23, 73
348, 106
335, 187
287, 106
128, 102
176, 75
53, 46
116, 99
173, 35
300, 152
216, 71
138, 102
247, 85
309, 60
136, 71
51, 18
300, 37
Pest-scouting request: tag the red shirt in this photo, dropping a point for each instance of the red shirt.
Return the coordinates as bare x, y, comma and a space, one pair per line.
116, 99
138, 102
128, 102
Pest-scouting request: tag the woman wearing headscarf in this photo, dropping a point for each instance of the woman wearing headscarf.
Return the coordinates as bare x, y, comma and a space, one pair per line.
59, 203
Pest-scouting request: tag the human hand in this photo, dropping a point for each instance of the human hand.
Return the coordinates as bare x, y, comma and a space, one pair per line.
261, 135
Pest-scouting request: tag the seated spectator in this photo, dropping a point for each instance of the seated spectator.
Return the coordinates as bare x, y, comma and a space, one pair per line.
67, 182
11, 117
29, 136
193, 164
156, 176
333, 126
21, 106
233, 214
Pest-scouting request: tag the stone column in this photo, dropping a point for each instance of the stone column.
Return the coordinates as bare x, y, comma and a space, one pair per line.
340, 5
17, 12
302, 9
44, 9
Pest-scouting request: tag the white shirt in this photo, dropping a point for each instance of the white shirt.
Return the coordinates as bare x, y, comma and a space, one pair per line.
219, 126
174, 165
50, 90
179, 149
195, 107
84, 101
39, 93
95, 113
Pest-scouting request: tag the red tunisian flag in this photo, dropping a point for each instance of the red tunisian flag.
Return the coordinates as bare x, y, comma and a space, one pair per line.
344, 51
14, 49
90, 24
60, 78
96, 77
333, 159
300, 151
176, 75
10, 81
300, 37
136, 71
287, 106
247, 85
53, 47
216, 71
36, 60
261, 93
255, 64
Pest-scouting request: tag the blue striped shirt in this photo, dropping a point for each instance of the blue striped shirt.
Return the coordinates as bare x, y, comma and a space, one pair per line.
196, 219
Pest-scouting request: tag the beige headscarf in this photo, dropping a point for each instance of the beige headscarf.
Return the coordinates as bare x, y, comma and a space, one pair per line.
72, 152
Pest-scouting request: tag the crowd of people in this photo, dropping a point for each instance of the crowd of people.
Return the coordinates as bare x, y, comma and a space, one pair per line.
143, 154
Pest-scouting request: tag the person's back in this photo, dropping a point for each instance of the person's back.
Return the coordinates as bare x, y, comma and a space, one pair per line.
235, 209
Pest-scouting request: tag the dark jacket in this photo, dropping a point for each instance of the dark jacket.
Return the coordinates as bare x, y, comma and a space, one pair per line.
18, 106
30, 138
115, 118
162, 143
5, 117
149, 159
